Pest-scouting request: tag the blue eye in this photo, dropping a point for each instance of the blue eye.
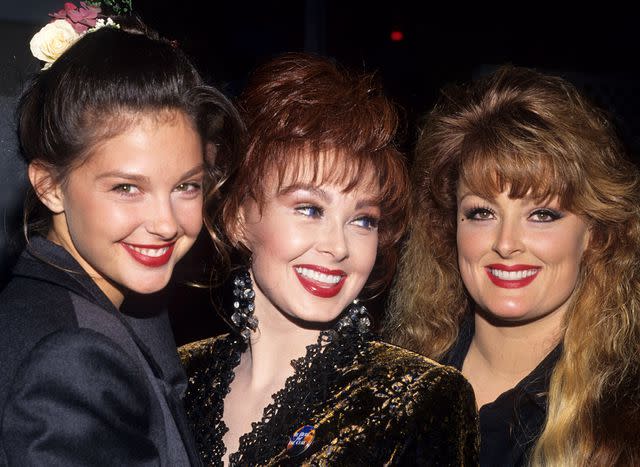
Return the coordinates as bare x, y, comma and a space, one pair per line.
545, 215
479, 214
367, 222
310, 211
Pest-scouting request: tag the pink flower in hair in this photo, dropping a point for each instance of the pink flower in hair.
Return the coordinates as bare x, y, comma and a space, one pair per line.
81, 18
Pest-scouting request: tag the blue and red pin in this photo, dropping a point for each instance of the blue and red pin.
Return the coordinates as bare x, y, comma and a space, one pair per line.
300, 441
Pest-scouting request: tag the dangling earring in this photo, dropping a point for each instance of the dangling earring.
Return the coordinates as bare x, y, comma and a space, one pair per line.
357, 317
243, 306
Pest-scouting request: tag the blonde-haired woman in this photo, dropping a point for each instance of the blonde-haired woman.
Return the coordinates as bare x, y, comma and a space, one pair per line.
522, 269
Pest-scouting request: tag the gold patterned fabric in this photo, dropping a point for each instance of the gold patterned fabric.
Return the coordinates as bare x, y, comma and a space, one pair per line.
369, 403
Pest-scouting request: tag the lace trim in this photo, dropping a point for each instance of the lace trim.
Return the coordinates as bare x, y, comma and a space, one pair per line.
315, 374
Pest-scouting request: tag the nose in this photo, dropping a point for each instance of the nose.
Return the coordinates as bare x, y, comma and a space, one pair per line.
162, 220
333, 241
508, 241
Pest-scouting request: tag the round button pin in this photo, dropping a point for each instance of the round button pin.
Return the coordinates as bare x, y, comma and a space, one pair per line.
300, 441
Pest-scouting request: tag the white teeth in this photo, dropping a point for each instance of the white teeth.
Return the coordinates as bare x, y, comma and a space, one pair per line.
152, 252
512, 275
318, 276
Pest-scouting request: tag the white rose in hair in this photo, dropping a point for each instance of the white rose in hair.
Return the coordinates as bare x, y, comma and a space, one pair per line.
52, 40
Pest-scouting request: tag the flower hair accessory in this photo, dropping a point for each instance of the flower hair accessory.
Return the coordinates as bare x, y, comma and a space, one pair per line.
68, 25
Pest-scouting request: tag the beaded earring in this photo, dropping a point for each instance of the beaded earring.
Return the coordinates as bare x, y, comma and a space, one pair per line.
357, 317
243, 306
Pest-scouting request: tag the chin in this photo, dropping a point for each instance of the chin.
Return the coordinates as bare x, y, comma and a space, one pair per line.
315, 320
509, 317
149, 287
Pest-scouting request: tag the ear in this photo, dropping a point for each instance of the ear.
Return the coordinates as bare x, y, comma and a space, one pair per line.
46, 188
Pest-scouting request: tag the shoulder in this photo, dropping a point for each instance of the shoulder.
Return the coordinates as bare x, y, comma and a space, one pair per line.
391, 363
432, 404
72, 363
419, 387
75, 386
198, 353
33, 307
30, 310
77, 351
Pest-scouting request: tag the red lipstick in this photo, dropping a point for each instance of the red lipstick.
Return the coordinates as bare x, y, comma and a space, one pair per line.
508, 277
146, 260
320, 288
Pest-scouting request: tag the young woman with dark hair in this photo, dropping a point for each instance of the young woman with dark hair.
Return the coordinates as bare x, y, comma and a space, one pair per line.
319, 201
122, 138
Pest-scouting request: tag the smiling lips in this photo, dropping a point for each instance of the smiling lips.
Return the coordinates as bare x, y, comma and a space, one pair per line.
150, 255
512, 277
319, 281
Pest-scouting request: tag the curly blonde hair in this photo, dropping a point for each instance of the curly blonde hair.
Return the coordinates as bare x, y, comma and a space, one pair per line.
535, 135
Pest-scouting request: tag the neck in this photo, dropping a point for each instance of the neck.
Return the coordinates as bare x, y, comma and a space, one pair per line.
277, 342
499, 357
516, 350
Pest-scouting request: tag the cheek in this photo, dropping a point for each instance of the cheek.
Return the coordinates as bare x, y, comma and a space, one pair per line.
560, 248
189, 215
277, 238
92, 214
471, 243
370, 254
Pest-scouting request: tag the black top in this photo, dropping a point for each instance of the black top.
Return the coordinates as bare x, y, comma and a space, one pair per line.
82, 384
510, 425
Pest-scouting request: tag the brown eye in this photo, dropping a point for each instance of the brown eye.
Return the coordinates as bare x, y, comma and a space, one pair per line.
190, 187
545, 215
126, 189
479, 214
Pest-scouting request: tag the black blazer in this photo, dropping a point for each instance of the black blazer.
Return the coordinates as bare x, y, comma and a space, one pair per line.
81, 383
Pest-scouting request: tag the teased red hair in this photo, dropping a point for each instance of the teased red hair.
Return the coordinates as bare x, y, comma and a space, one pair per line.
305, 114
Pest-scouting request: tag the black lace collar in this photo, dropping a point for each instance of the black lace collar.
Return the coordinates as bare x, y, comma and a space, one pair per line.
304, 393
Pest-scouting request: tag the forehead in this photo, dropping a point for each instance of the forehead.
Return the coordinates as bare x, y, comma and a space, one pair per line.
165, 144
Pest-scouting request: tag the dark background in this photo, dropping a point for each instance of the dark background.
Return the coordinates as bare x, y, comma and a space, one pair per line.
596, 47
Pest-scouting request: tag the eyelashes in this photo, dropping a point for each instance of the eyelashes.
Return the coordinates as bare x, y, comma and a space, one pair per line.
479, 213
315, 212
130, 190
127, 190
542, 215
545, 215
310, 211
367, 222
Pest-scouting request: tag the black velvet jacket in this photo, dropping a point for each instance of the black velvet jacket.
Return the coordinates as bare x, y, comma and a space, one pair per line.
510, 425
370, 403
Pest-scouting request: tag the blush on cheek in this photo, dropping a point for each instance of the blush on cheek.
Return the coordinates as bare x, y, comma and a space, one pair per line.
192, 223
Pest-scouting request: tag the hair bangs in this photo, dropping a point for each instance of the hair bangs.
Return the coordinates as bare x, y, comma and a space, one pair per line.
334, 167
523, 172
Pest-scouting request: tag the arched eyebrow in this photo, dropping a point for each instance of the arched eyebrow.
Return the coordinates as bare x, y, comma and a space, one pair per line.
368, 202
324, 196
197, 170
319, 192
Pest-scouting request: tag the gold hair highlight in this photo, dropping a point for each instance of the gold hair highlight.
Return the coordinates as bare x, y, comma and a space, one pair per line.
535, 136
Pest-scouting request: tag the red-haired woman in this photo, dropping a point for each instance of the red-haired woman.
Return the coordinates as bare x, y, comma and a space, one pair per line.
317, 204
